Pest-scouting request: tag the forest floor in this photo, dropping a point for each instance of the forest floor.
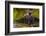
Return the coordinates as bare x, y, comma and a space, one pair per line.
20, 25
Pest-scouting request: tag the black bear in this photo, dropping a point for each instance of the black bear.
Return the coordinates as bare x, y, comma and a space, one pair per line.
29, 19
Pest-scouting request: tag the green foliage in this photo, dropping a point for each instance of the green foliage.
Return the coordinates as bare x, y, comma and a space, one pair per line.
36, 13
18, 13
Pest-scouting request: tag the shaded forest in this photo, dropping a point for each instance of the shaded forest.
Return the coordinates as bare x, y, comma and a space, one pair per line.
18, 17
